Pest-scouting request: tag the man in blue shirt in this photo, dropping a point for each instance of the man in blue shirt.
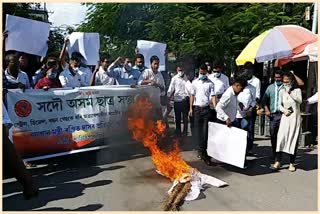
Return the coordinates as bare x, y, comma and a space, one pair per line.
270, 102
123, 72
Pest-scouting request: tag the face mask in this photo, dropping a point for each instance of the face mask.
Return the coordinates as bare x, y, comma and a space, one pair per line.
129, 66
52, 75
216, 74
278, 83
76, 69
180, 73
203, 77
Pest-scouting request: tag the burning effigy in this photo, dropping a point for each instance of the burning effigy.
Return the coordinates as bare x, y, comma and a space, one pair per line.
187, 181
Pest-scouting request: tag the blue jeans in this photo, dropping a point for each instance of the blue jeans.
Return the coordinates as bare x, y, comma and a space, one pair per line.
245, 124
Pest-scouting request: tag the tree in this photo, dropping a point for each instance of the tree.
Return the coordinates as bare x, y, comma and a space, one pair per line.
202, 30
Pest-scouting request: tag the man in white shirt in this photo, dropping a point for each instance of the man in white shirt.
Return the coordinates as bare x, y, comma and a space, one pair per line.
84, 71
123, 72
248, 72
177, 89
221, 84
152, 76
70, 76
220, 80
202, 95
13, 73
246, 105
228, 104
100, 75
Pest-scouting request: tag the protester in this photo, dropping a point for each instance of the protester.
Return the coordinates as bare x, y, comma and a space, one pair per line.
189, 89
12, 163
218, 75
256, 83
270, 101
123, 72
152, 76
177, 89
79, 67
84, 70
13, 73
202, 95
228, 104
139, 63
70, 76
290, 99
50, 62
209, 67
221, 84
246, 105
100, 75
51, 80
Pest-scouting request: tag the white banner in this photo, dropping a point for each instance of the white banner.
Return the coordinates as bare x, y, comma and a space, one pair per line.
60, 120
149, 48
27, 35
88, 44
226, 144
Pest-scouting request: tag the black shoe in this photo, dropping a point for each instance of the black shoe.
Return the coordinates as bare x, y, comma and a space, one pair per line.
208, 162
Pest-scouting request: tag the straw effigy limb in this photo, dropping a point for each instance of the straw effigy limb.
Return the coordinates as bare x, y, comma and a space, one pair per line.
177, 196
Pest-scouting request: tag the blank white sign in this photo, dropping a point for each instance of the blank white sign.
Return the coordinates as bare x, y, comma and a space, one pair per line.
149, 49
226, 144
27, 35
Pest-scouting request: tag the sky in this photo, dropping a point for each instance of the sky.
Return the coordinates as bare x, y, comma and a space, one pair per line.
66, 13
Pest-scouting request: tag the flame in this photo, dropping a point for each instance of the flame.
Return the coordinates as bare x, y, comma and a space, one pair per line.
149, 132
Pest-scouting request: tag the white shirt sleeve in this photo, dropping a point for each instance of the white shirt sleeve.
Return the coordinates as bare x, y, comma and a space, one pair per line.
63, 80
171, 87
223, 102
142, 77
258, 88
313, 99
212, 92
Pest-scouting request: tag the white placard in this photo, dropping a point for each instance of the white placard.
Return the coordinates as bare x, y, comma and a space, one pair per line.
27, 35
149, 48
226, 144
88, 44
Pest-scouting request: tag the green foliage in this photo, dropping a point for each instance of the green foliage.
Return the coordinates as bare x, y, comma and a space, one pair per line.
202, 30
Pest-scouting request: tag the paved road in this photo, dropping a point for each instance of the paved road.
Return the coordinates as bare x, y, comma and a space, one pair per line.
122, 178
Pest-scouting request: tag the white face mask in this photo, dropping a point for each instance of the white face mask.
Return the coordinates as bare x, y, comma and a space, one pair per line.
180, 73
76, 69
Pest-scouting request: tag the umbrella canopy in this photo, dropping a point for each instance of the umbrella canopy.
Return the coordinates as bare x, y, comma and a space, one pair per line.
309, 53
278, 42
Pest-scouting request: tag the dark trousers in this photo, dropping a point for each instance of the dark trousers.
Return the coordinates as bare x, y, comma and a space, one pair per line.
275, 119
292, 156
181, 108
252, 124
245, 124
191, 120
201, 118
212, 115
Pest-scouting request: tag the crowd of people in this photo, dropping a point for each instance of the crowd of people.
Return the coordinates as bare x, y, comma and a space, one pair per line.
198, 98
210, 97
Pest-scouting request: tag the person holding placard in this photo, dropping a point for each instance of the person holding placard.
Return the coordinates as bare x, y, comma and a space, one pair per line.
100, 75
228, 104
